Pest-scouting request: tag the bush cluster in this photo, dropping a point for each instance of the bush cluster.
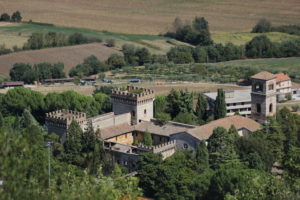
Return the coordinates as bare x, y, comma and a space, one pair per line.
29, 74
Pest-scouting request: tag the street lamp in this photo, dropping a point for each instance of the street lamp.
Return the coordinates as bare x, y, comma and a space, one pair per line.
48, 144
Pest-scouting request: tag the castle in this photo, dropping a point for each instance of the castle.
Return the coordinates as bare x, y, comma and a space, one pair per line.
122, 130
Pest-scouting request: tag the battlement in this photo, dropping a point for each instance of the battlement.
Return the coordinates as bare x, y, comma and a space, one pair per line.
159, 148
65, 117
132, 93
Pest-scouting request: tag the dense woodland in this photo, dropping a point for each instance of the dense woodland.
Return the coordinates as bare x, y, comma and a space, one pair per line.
229, 167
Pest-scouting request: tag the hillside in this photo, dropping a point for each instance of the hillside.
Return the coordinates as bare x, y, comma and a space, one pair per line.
154, 16
70, 56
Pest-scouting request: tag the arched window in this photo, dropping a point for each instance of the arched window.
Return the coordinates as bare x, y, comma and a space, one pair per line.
145, 112
258, 108
258, 87
271, 108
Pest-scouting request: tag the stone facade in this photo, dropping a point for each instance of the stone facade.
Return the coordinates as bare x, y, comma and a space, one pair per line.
58, 121
263, 99
136, 101
109, 119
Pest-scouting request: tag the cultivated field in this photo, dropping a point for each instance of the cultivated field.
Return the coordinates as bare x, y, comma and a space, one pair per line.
165, 88
273, 64
70, 56
154, 16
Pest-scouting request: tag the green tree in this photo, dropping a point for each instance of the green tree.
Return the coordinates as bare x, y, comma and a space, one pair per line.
116, 61
147, 139
1, 120
220, 105
73, 146
202, 156
262, 26
92, 150
254, 152
275, 139
28, 120
16, 17
77, 38
129, 54
22, 72
201, 108
185, 101
221, 147
160, 104
163, 117
186, 118
233, 133
143, 56
35, 41
173, 103
5, 17
259, 47
287, 122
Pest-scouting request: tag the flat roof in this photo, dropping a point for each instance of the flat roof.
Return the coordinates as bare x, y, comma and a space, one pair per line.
239, 96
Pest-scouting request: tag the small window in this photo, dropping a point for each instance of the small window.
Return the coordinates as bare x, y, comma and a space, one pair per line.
133, 113
145, 112
258, 108
271, 87
185, 146
271, 108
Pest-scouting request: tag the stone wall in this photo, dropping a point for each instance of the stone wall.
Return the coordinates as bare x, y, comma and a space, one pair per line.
109, 119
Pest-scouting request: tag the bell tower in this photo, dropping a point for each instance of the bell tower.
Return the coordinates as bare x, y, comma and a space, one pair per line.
263, 96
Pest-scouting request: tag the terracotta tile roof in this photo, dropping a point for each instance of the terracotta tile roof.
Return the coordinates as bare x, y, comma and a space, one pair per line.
113, 131
205, 131
282, 77
167, 129
295, 85
264, 76
13, 83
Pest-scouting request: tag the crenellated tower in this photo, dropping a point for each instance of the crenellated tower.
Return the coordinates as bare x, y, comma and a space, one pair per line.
134, 100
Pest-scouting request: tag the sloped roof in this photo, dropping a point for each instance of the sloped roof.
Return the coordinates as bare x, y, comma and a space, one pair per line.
113, 131
167, 129
264, 76
282, 77
13, 83
205, 131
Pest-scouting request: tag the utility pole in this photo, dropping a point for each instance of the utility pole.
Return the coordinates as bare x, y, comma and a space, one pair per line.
48, 144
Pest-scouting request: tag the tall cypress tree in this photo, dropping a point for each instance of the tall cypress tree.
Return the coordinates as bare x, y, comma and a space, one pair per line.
201, 106
220, 105
1, 120
202, 155
73, 145
275, 138
221, 147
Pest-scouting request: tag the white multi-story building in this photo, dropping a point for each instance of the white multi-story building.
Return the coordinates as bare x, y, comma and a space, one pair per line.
237, 101
283, 86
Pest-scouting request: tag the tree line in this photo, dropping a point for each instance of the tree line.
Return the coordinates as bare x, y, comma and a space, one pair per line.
265, 26
258, 47
38, 72
15, 17
55, 39
15, 101
229, 166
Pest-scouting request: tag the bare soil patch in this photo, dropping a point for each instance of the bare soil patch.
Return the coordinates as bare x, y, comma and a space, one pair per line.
70, 56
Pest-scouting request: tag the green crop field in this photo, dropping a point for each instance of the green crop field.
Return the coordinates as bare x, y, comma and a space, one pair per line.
17, 34
283, 64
